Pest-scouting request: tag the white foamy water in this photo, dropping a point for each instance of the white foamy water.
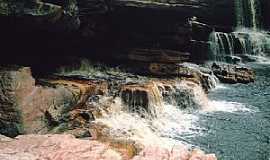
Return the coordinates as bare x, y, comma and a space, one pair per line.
225, 106
262, 59
172, 126
160, 131
220, 86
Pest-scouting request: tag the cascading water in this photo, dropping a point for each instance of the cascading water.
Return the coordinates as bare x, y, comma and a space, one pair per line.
172, 125
246, 40
222, 44
247, 13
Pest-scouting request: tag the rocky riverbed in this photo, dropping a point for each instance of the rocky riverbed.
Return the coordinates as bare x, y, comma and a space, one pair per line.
78, 101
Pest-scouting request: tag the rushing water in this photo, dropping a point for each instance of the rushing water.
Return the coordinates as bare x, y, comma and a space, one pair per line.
242, 134
239, 43
247, 13
247, 39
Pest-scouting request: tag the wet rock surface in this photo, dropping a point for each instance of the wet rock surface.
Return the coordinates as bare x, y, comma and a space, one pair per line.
71, 101
142, 98
233, 74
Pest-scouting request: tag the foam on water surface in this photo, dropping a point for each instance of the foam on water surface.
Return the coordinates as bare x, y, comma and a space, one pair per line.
160, 131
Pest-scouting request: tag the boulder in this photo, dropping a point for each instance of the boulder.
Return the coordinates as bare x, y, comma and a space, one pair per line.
233, 74
188, 71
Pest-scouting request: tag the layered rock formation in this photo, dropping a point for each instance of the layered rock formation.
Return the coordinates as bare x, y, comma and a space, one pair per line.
30, 108
165, 26
69, 104
233, 74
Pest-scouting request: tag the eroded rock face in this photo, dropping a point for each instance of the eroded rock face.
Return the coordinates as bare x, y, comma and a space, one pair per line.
156, 25
233, 74
15, 82
188, 71
30, 108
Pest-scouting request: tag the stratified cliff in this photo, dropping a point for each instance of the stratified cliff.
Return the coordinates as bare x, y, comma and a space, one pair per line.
112, 27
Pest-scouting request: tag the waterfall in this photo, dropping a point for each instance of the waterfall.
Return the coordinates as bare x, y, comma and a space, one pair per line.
174, 123
247, 13
254, 14
246, 40
221, 45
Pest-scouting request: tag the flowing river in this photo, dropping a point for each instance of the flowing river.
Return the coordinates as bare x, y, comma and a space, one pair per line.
241, 129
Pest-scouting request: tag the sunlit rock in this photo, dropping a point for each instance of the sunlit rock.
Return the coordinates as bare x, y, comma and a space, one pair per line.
51, 147
31, 108
177, 153
233, 74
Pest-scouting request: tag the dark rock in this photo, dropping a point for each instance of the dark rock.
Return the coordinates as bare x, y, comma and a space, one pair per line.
199, 50
159, 24
265, 4
159, 56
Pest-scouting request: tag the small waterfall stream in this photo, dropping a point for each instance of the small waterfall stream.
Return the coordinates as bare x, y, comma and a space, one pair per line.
246, 40
247, 13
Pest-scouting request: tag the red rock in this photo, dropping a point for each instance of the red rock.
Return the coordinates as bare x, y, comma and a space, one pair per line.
177, 153
55, 147
67, 147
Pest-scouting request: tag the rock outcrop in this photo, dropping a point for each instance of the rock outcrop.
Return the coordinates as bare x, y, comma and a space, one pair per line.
57, 15
91, 26
27, 107
15, 84
176, 153
70, 103
51, 147
233, 74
